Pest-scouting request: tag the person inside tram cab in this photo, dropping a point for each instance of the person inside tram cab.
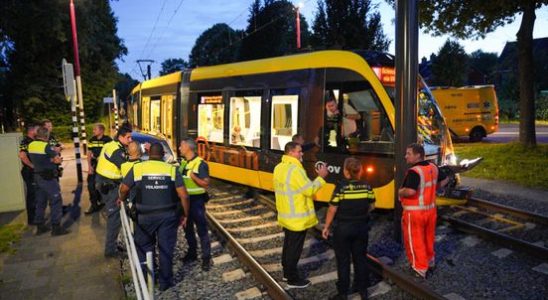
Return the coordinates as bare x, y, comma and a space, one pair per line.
236, 135
350, 115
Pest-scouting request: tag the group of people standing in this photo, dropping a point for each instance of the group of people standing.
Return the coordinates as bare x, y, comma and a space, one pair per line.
349, 209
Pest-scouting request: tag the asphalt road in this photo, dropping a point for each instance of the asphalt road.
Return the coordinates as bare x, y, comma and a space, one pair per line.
510, 133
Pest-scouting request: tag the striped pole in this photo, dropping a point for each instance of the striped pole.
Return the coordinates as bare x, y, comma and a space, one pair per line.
115, 109
77, 74
76, 140
83, 124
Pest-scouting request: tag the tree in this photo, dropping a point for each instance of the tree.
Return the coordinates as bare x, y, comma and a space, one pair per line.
39, 37
348, 24
450, 65
474, 19
171, 65
271, 30
217, 45
485, 63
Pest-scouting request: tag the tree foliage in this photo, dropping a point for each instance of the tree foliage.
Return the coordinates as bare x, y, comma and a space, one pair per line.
271, 30
474, 19
171, 65
348, 24
484, 62
450, 65
217, 45
38, 35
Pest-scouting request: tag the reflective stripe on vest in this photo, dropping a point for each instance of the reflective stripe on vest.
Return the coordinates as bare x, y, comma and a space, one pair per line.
105, 167
192, 166
425, 198
289, 193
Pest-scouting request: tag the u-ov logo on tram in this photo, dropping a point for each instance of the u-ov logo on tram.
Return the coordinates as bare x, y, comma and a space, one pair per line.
330, 168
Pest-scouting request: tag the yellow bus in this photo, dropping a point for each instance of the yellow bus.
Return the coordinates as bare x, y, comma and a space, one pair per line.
244, 113
470, 111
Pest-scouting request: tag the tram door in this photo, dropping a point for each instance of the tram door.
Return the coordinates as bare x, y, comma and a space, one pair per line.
167, 119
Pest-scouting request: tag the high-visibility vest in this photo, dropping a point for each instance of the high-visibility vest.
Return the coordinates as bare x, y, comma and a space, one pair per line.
106, 168
39, 157
186, 168
155, 181
294, 192
425, 198
125, 167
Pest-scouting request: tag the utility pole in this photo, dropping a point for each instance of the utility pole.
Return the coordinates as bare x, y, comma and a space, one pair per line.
148, 61
406, 94
77, 74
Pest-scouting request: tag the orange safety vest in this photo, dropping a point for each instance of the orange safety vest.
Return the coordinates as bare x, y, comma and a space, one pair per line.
425, 198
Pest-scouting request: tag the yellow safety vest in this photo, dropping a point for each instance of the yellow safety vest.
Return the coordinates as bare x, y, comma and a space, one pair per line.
125, 167
294, 192
191, 166
106, 168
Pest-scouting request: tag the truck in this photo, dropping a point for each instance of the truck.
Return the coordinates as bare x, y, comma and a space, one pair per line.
469, 111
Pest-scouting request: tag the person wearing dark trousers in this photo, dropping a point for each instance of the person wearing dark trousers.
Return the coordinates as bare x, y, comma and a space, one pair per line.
195, 172
159, 196
352, 201
109, 176
45, 159
95, 146
27, 172
296, 213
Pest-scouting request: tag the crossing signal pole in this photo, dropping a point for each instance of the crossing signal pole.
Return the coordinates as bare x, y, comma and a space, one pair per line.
70, 94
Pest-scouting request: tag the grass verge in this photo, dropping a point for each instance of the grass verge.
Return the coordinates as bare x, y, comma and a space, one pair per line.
10, 234
512, 162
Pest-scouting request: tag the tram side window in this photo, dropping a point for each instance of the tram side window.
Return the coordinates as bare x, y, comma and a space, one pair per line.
211, 118
155, 115
245, 121
355, 120
146, 114
284, 112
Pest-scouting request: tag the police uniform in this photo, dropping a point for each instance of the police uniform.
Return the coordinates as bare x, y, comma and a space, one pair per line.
158, 212
95, 146
28, 176
419, 215
350, 235
109, 162
296, 212
197, 197
47, 185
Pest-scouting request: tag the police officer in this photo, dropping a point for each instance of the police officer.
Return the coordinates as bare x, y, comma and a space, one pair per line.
195, 173
295, 207
350, 207
134, 156
95, 146
160, 194
418, 200
45, 159
109, 176
28, 171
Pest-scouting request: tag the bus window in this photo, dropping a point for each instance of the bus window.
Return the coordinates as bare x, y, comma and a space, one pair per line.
245, 120
146, 114
284, 112
355, 120
155, 115
211, 118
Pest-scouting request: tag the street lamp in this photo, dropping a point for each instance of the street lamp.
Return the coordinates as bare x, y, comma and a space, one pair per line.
298, 23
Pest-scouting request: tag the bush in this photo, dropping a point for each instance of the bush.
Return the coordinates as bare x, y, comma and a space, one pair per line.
63, 133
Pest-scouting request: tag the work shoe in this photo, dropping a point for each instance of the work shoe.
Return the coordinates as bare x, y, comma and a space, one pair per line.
298, 284
41, 229
420, 273
189, 258
206, 265
58, 230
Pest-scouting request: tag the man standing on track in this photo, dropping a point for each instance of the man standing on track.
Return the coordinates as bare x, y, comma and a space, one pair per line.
418, 199
96, 144
295, 207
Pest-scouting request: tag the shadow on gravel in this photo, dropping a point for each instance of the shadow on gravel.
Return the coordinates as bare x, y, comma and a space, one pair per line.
73, 210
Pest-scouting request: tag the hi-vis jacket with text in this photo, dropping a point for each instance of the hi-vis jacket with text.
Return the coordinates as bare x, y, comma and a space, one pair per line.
294, 192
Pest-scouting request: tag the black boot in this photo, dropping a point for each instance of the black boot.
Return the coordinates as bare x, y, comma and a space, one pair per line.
58, 230
41, 229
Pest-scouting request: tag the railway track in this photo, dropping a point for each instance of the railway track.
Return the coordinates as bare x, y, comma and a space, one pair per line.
249, 226
508, 226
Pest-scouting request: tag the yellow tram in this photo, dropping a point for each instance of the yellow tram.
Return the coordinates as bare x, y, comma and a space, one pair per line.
244, 113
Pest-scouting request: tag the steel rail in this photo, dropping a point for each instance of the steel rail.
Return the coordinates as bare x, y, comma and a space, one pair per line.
274, 289
498, 237
530, 216
404, 281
